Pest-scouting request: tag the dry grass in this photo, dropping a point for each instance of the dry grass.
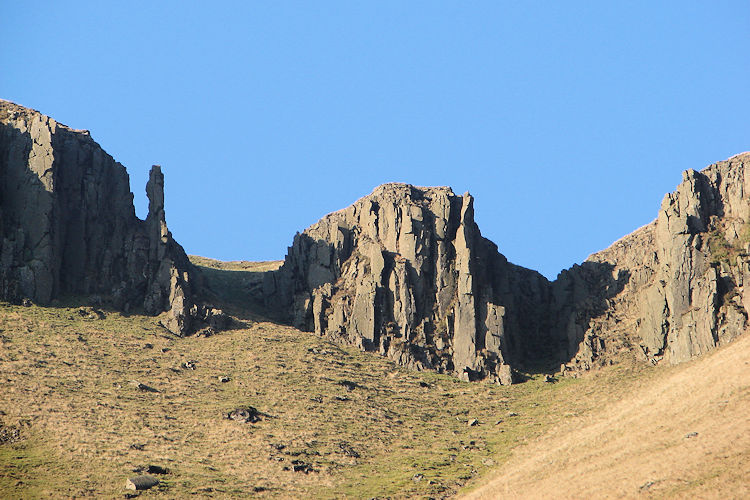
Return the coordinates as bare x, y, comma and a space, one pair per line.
236, 286
684, 434
70, 379
66, 385
236, 265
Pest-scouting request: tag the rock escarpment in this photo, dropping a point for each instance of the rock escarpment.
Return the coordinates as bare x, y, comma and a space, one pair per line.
675, 288
68, 224
406, 272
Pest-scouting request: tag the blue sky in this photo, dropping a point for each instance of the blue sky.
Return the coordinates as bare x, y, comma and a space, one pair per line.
568, 121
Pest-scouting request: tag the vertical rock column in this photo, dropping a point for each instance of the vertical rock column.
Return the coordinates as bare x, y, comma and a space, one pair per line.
465, 326
169, 288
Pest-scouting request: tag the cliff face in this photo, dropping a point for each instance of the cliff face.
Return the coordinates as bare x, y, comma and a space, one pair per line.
682, 278
406, 272
68, 224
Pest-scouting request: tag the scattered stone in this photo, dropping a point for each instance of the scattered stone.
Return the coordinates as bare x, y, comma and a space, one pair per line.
471, 446
347, 450
224, 380
424, 384
157, 469
317, 399
26, 302
148, 346
350, 386
341, 398
648, 484
189, 365
246, 414
315, 350
137, 446
417, 477
143, 482
90, 313
512, 414
499, 422
143, 387
217, 319
505, 374
549, 379
690, 435
300, 466
473, 422
206, 332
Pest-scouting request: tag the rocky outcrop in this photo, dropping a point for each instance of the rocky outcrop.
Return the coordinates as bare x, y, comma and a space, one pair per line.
68, 225
675, 288
406, 272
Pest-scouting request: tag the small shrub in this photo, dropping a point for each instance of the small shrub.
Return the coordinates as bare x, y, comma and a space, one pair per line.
720, 249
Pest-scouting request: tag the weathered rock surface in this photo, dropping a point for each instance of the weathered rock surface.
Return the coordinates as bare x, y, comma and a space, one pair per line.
68, 224
405, 272
673, 289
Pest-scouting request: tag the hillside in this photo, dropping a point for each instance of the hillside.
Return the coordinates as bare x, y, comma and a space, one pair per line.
75, 423
394, 352
682, 432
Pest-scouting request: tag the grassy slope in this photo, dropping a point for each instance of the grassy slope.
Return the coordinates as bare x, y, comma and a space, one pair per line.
66, 385
684, 434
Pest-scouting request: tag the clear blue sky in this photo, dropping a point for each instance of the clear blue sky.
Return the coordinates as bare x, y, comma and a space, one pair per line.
568, 121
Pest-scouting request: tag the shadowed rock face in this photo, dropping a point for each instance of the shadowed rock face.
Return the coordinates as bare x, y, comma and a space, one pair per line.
406, 272
68, 224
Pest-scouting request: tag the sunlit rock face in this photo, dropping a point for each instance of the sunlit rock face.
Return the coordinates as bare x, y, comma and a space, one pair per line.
673, 289
405, 272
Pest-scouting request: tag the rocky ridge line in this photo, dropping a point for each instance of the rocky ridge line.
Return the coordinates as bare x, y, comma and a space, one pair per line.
405, 272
